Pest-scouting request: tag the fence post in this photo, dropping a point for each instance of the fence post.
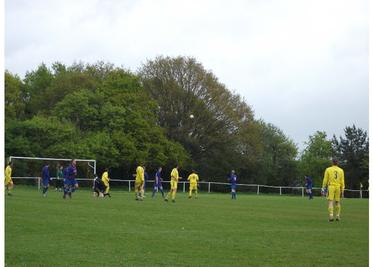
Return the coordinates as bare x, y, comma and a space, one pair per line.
280, 191
129, 186
38, 183
257, 192
208, 190
302, 191
183, 187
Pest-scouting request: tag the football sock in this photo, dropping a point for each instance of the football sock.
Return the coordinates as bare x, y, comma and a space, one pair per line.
338, 209
162, 193
330, 210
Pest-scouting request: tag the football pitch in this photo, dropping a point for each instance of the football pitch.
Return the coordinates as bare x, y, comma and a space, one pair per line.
212, 230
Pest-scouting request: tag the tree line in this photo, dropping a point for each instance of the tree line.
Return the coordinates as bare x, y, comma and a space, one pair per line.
123, 118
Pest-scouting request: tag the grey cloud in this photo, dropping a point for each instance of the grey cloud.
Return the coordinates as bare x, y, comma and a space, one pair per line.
289, 59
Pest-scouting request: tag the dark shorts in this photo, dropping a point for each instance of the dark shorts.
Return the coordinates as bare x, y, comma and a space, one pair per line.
99, 187
71, 182
233, 187
45, 181
159, 186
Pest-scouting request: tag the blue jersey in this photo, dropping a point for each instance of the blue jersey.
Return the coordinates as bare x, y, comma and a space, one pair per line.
71, 172
233, 179
45, 173
65, 173
158, 178
308, 182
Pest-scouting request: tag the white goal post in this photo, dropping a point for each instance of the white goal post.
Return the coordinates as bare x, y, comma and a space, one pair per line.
57, 159
91, 163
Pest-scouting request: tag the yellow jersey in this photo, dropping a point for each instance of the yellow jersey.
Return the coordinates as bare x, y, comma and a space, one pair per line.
105, 177
334, 176
193, 178
139, 174
174, 175
8, 173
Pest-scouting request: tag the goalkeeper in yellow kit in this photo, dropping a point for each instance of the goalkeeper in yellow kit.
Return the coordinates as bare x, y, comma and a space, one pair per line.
193, 183
173, 183
139, 183
335, 181
105, 179
8, 178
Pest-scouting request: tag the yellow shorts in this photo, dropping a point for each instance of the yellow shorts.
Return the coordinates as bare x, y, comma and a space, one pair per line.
107, 187
138, 186
173, 184
334, 193
193, 186
8, 182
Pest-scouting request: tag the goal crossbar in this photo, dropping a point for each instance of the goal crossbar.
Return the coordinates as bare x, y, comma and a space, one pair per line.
58, 159
86, 160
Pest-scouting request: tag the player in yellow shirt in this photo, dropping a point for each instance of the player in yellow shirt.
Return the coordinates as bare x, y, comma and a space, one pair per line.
8, 178
335, 181
105, 179
173, 183
139, 183
193, 183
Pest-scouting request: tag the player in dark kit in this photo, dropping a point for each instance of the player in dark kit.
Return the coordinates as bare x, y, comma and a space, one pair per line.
45, 177
70, 184
158, 182
309, 186
233, 182
98, 187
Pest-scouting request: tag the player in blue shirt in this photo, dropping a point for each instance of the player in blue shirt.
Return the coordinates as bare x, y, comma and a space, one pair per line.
309, 186
69, 182
45, 178
233, 182
158, 182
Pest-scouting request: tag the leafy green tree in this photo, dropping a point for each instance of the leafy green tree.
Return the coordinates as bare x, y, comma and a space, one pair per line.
37, 136
353, 154
87, 111
36, 84
14, 97
278, 165
316, 157
222, 120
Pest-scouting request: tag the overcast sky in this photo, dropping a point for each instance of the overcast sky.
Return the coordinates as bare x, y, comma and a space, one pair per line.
301, 65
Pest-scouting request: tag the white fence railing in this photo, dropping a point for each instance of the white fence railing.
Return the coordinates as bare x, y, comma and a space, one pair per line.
257, 187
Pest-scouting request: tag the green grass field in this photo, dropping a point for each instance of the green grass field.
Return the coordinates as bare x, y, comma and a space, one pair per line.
212, 230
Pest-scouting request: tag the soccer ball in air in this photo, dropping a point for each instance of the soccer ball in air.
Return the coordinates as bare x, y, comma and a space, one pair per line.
191, 116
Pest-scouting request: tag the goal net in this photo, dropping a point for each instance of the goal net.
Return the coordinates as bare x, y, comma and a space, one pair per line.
27, 170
